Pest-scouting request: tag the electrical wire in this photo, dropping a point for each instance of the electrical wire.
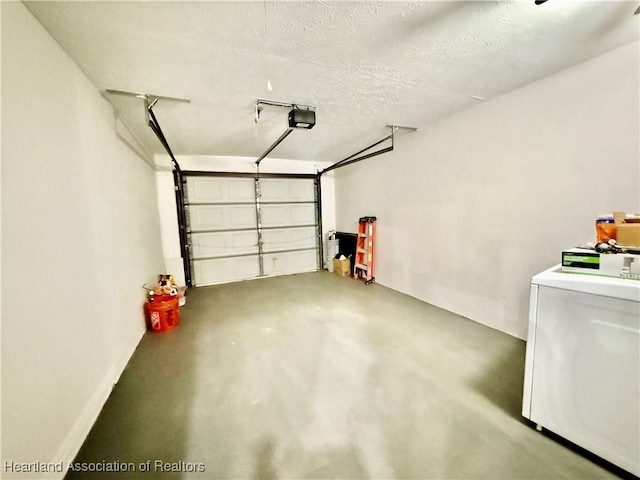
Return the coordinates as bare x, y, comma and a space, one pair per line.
266, 56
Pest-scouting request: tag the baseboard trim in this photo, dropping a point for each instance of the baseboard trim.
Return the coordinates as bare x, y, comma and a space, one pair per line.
80, 430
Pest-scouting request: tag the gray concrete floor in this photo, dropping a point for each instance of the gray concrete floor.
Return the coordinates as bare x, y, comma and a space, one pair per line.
317, 376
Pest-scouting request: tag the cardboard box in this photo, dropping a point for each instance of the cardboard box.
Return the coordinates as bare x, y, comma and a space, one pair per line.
627, 229
628, 234
620, 265
342, 267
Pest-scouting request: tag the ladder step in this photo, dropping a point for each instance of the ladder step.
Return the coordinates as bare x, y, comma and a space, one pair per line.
362, 235
361, 250
363, 267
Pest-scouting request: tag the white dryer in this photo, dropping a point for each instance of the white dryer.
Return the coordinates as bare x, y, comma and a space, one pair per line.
582, 369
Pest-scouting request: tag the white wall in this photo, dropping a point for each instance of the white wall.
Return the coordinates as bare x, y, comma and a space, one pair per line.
80, 235
469, 208
167, 201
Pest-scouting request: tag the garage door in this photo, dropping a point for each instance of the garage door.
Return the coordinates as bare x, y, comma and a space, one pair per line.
226, 241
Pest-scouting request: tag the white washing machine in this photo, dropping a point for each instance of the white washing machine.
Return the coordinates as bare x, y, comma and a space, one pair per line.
582, 369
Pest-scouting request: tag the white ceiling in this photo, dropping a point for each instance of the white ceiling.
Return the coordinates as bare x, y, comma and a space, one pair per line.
363, 65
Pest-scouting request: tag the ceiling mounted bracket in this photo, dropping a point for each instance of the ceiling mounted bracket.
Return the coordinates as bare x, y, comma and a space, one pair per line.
149, 103
395, 128
149, 99
261, 103
355, 158
145, 95
400, 127
273, 103
540, 2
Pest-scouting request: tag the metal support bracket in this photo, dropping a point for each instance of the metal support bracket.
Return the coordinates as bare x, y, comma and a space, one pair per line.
145, 95
274, 145
178, 181
260, 104
355, 158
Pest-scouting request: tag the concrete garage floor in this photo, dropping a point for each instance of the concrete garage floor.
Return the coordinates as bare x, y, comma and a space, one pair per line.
317, 376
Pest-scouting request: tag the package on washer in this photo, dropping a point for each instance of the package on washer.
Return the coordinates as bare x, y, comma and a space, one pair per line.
619, 265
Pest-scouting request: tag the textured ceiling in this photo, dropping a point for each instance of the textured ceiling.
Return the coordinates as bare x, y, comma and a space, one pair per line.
361, 64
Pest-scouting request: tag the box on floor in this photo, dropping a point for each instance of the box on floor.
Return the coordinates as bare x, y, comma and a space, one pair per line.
342, 267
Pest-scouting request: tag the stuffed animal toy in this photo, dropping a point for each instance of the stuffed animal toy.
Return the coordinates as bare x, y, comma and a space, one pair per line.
166, 285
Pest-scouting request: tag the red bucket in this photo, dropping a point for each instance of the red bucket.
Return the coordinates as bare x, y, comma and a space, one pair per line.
163, 313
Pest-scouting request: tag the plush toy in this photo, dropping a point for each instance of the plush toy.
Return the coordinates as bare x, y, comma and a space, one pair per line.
166, 285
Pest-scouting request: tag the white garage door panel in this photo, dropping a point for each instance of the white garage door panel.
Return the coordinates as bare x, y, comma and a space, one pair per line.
287, 190
221, 217
223, 231
288, 215
220, 190
221, 244
222, 270
290, 262
288, 239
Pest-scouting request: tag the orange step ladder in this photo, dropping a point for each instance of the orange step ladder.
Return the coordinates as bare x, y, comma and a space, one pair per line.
364, 266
